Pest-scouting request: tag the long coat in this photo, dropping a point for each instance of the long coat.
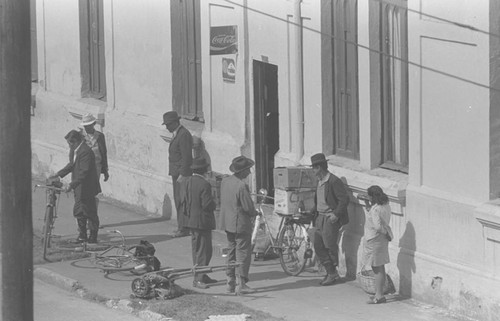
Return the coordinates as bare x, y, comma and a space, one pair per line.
84, 180
237, 209
197, 203
180, 153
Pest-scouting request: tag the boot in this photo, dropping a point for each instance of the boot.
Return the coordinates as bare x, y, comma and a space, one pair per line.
243, 288
93, 237
231, 284
332, 276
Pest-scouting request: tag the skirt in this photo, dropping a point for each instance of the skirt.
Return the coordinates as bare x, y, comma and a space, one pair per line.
377, 251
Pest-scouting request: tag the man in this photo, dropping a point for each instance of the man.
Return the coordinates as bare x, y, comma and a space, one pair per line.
198, 205
237, 211
97, 142
331, 202
180, 158
85, 184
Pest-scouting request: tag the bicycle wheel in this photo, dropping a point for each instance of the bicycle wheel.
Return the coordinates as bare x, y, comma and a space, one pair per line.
48, 223
292, 244
119, 263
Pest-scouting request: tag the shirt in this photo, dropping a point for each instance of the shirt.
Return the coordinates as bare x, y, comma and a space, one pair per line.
321, 206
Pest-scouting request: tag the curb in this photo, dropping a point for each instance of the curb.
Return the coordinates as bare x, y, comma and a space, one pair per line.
72, 285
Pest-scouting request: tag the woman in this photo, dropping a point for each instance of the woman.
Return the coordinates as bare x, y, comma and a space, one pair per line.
377, 237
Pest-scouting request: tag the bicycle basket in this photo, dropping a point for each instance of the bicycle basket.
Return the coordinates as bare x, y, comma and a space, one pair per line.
303, 218
366, 279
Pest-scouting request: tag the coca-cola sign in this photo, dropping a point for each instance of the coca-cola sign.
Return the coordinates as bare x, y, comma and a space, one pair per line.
223, 40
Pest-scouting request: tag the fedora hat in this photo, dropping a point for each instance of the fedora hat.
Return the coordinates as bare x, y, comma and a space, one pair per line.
88, 119
199, 162
170, 116
318, 159
241, 163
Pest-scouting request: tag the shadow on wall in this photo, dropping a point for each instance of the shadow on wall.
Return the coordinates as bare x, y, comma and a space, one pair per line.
166, 210
352, 234
406, 260
199, 150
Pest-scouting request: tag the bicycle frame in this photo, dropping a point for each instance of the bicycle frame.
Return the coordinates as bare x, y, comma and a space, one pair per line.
50, 215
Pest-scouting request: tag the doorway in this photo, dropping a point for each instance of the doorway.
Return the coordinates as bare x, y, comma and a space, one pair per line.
266, 126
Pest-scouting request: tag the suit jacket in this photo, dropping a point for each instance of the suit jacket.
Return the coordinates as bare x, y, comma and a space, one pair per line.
197, 203
180, 153
237, 209
336, 197
101, 142
84, 178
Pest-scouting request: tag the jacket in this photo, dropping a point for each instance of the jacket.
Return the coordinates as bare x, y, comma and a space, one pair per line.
84, 180
237, 210
197, 203
336, 197
180, 153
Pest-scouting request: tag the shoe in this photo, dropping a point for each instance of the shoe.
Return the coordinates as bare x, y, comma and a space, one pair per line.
180, 234
200, 285
244, 289
377, 301
92, 241
324, 279
230, 288
330, 279
78, 240
208, 280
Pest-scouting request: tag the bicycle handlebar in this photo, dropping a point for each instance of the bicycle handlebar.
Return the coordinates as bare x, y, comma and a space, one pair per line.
58, 189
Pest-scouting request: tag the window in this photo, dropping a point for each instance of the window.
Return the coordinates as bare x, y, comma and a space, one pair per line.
345, 56
394, 96
92, 62
186, 58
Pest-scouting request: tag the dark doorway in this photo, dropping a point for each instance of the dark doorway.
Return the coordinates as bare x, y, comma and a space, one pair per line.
265, 84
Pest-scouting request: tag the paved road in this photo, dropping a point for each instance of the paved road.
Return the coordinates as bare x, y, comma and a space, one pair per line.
54, 304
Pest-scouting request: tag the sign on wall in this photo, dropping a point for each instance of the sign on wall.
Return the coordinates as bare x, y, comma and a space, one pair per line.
223, 40
228, 70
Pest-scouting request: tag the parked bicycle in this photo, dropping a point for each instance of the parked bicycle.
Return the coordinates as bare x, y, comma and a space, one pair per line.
292, 242
53, 189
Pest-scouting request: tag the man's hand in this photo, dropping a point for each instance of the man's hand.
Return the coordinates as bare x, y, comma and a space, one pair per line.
106, 176
332, 218
67, 189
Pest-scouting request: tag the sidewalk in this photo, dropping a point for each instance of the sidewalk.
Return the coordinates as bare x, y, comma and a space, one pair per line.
293, 298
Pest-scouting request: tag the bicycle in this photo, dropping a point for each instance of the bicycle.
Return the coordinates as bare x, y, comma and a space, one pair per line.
293, 243
120, 258
53, 188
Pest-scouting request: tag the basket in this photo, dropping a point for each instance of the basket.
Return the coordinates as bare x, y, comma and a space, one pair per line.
366, 279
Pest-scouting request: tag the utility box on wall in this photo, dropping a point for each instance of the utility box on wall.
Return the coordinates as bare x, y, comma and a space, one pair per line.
294, 177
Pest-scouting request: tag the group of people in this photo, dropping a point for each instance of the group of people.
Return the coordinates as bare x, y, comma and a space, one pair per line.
195, 207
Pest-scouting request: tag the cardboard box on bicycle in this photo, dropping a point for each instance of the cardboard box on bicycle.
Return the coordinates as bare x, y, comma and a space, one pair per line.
287, 201
294, 177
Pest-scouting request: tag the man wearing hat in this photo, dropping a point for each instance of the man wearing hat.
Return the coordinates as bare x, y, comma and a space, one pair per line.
197, 205
331, 202
180, 158
97, 142
237, 212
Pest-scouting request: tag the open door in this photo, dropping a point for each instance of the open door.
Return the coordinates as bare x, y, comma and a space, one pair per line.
266, 117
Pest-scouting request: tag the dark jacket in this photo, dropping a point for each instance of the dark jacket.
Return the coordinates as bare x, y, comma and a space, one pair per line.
336, 197
180, 153
197, 203
237, 209
84, 180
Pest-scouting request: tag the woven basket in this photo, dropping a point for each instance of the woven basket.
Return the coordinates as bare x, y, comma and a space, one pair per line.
366, 279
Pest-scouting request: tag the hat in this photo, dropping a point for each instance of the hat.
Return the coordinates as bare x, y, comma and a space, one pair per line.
88, 119
199, 162
170, 116
241, 163
318, 159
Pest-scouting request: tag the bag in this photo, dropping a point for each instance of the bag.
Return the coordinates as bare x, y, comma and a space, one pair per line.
144, 249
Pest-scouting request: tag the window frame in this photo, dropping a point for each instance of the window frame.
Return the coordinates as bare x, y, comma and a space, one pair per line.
92, 53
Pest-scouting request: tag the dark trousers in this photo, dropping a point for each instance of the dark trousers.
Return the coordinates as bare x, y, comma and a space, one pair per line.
325, 239
180, 217
240, 251
201, 248
85, 212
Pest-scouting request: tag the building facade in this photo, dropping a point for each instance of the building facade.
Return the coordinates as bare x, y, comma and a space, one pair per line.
401, 94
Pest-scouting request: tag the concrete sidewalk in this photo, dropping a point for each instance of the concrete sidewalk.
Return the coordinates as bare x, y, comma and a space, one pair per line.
293, 298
